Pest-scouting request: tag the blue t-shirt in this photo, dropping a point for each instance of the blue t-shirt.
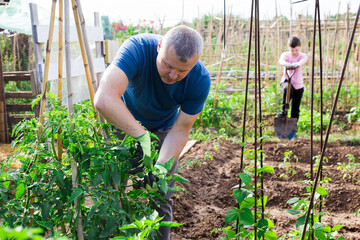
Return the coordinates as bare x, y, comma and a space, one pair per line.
151, 101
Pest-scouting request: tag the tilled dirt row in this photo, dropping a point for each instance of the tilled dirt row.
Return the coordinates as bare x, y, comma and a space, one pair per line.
213, 167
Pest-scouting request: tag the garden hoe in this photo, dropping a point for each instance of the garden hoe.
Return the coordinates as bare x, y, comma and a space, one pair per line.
286, 127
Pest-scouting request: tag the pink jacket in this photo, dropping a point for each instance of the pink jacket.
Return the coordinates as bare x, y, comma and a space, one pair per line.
297, 80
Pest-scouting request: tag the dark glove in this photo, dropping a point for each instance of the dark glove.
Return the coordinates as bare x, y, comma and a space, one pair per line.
136, 162
149, 180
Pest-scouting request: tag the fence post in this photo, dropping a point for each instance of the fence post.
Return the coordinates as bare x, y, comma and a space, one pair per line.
4, 132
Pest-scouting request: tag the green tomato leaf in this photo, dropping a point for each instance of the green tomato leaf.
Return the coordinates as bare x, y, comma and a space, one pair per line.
170, 224
169, 163
76, 193
20, 190
106, 177
163, 185
148, 162
45, 224
45, 211
178, 178
96, 180
116, 176
129, 226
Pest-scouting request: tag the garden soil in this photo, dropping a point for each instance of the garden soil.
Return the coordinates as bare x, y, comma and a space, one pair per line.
213, 168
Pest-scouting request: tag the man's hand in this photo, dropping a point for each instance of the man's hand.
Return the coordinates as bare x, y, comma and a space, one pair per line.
150, 179
160, 170
147, 182
145, 144
136, 162
143, 154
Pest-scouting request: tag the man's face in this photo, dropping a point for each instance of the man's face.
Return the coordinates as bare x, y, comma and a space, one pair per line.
295, 51
169, 66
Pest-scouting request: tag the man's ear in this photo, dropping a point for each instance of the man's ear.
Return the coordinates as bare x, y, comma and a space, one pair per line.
159, 45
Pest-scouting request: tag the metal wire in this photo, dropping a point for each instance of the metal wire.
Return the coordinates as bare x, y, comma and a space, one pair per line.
255, 115
245, 103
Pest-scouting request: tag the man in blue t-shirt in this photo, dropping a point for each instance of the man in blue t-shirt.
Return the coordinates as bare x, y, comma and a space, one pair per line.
156, 84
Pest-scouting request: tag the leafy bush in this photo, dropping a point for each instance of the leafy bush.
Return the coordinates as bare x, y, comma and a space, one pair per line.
354, 114
41, 193
304, 123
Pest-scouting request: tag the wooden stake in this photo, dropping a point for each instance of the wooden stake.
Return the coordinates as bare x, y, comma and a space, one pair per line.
74, 171
4, 134
334, 54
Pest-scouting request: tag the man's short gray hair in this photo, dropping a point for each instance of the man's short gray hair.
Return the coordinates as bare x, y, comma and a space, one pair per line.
186, 41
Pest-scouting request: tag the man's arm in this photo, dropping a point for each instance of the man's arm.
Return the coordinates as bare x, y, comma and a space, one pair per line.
108, 102
176, 139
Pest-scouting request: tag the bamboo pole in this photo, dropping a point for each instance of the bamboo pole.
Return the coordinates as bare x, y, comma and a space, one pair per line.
218, 79
60, 76
266, 55
44, 86
87, 47
60, 55
278, 69
83, 53
47, 64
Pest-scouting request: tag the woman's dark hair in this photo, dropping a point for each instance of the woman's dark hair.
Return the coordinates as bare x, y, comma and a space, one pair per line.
294, 42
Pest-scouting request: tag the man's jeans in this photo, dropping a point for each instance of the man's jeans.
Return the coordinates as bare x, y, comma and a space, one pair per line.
165, 209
